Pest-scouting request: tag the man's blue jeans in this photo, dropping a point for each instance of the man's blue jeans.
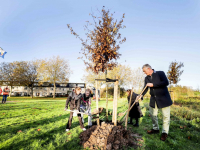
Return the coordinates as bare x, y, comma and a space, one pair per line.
4, 98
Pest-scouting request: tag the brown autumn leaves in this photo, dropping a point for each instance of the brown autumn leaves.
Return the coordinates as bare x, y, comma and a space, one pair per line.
101, 47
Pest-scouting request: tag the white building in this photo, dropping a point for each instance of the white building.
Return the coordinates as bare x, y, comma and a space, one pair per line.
45, 90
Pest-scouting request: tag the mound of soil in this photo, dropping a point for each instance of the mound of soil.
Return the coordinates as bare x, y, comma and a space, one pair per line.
107, 137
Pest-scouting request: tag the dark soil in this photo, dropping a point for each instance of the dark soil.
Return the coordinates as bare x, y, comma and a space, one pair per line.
108, 137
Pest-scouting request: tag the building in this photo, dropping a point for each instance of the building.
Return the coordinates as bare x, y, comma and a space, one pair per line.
45, 89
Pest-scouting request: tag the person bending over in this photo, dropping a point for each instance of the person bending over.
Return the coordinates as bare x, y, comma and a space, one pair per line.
135, 112
74, 100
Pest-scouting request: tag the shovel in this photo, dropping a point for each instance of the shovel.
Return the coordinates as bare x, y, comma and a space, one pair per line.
133, 104
77, 112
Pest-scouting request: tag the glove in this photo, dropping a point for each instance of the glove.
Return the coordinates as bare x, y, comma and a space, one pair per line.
65, 108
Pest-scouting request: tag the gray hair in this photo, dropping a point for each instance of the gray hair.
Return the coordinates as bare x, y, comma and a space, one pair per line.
146, 66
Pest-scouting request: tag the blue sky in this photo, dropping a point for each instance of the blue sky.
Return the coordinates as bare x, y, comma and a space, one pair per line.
157, 32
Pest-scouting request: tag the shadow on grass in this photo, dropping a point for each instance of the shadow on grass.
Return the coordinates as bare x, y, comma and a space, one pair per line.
47, 138
14, 127
182, 134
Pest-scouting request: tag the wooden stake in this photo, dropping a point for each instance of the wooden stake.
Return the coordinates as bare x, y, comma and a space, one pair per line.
128, 109
97, 102
106, 97
114, 116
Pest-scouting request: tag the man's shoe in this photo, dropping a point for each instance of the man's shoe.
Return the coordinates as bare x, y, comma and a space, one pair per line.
152, 131
163, 136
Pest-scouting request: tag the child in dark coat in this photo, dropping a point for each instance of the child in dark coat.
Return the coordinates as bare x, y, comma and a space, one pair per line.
135, 112
74, 99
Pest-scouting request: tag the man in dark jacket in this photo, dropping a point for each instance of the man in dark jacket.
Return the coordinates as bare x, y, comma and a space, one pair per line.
160, 98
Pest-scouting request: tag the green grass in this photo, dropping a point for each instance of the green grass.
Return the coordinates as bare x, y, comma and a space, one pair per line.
46, 114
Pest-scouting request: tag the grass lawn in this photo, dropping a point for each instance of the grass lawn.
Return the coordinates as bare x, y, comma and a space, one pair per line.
40, 123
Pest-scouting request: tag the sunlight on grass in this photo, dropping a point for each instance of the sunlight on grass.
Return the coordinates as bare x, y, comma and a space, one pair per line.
40, 124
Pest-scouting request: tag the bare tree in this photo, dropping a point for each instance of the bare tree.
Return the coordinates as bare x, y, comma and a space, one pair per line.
9, 74
123, 72
53, 70
137, 79
27, 73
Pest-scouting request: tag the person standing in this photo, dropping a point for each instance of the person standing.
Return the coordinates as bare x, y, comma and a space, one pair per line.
0, 90
160, 99
86, 106
135, 112
74, 100
5, 94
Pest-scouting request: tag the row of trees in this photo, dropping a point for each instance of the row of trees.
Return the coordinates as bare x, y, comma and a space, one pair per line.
127, 77
133, 77
26, 73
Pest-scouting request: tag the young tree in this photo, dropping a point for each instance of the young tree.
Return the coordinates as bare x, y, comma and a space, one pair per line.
101, 47
53, 70
174, 72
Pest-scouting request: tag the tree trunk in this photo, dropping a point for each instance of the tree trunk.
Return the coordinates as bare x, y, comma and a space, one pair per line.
10, 91
54, 91
119, 91
32, 91
100, 91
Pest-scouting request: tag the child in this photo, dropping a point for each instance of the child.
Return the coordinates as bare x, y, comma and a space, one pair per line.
135, 112
74, 99
86, 106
